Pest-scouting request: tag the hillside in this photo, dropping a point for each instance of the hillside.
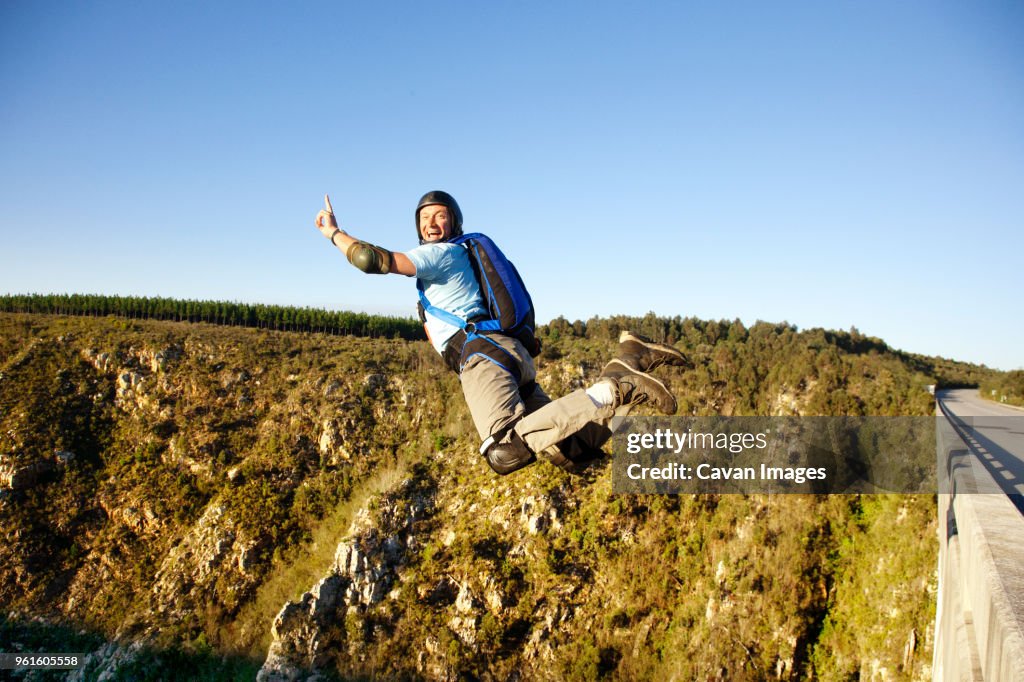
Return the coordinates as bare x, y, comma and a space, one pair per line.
182, 500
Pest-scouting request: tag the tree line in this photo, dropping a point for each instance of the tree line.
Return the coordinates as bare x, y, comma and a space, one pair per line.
260, 316
745, 369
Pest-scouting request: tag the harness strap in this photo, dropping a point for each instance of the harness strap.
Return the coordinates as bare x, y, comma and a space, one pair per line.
471, 339
463, 346
439, 313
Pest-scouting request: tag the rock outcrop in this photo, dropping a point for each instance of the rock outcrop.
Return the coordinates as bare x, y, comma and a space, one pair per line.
367, 563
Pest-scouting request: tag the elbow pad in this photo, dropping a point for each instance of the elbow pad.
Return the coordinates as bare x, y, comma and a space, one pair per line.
371, 259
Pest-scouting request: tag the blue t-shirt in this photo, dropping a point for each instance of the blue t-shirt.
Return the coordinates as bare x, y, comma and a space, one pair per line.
449, 284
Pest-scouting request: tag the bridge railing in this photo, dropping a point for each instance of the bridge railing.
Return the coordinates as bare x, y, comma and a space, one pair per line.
979, 622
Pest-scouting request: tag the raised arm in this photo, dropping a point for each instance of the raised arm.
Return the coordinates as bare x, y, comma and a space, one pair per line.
374, 260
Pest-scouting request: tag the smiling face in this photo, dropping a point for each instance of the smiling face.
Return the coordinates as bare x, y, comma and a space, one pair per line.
435, 223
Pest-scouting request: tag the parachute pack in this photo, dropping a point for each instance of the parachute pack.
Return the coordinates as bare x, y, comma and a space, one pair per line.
509, 306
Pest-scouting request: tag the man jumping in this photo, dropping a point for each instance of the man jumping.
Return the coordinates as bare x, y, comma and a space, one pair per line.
515, 418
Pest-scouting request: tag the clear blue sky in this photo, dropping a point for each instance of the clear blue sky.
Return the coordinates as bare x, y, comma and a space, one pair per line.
830, 164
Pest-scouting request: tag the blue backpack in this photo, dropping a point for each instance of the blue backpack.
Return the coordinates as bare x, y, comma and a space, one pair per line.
509, 306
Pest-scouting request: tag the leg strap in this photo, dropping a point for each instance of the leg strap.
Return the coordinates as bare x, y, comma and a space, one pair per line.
527, 389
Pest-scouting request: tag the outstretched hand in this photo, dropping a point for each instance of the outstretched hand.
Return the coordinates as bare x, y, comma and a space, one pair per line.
325, 220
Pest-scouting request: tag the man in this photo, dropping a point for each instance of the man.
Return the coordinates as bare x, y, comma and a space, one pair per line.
515, 418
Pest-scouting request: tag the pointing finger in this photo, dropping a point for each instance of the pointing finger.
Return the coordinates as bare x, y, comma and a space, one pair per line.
327, 203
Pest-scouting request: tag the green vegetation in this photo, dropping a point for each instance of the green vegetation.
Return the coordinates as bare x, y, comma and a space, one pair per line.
281, 318
300, 566
1004, 388
168, 420
773, 368
194, 660
215, 469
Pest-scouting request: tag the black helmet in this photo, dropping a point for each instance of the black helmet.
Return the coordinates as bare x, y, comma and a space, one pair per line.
439, 198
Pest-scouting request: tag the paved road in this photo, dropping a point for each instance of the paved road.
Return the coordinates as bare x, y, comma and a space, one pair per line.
995, 435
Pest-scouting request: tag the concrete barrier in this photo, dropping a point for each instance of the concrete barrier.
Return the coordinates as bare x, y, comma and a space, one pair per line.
979, 628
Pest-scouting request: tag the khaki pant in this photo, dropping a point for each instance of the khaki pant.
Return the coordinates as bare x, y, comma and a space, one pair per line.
492, 394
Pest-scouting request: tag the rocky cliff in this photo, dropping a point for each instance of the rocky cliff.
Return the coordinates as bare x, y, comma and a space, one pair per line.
230, 503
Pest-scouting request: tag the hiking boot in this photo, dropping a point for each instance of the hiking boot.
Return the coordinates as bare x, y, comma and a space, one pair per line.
633, 387
642, 354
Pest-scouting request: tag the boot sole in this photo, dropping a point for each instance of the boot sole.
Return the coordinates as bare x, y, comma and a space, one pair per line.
648, 377
680, 359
